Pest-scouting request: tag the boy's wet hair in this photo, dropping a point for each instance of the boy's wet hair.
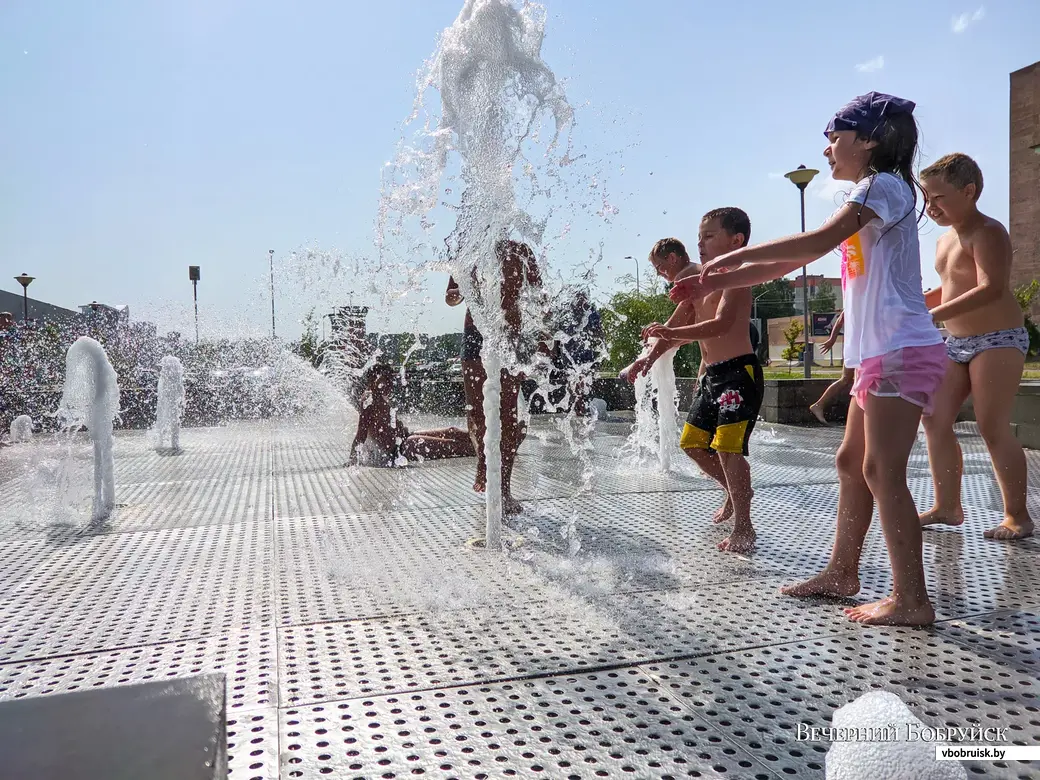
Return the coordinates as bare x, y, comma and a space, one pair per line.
733, 221
957, 170
667, 246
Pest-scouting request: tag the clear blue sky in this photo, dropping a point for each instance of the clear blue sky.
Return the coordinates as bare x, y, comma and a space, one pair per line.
139, 136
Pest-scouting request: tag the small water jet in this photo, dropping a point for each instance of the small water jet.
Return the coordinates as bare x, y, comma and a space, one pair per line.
91, 399
170, 405
21, 429
654, 440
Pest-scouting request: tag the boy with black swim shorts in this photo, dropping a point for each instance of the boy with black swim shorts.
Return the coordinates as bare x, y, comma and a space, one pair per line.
729, 395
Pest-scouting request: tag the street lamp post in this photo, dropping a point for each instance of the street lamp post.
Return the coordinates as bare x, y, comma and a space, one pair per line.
194, 275
270, 255
629, 257
800, 177
25, 280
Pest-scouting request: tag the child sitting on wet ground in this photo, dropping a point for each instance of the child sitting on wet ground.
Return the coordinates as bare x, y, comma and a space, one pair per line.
383, 441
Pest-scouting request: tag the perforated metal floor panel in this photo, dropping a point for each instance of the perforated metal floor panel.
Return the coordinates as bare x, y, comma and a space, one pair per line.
362, 636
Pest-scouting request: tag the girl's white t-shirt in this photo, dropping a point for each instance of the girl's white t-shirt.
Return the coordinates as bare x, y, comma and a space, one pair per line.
881, 275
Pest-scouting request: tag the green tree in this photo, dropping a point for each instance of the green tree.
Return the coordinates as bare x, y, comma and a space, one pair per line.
1025, 294
774, 299
825, 300
793, 350
623, 322
310, 347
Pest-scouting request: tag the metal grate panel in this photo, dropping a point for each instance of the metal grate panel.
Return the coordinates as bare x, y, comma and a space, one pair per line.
248, 661
604, 725
760, 696
253, 745
119, 590
565, 634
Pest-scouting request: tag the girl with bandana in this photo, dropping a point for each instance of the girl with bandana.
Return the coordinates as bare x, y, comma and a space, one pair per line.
890, 340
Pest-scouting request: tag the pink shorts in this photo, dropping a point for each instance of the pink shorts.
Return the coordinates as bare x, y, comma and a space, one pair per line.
911, 373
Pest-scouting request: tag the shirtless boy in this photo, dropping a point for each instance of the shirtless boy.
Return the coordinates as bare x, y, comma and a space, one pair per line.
729, 394
986, 347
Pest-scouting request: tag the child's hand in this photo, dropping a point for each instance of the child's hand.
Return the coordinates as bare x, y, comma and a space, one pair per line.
718, 265
686, 289
634, 371
656, 330
645, 334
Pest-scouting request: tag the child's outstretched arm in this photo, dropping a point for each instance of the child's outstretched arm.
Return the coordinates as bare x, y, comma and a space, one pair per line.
800, 249
723, 321
992, 250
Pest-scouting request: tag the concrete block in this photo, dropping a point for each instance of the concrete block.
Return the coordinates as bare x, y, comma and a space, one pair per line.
170, 730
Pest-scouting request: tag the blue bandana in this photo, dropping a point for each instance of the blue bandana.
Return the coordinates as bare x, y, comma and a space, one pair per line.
866, 113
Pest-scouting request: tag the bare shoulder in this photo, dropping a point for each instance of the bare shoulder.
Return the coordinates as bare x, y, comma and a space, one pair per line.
991, 237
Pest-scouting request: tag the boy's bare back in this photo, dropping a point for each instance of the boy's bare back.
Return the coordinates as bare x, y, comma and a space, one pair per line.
960, 272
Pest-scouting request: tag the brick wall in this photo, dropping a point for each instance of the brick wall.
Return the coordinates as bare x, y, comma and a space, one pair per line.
1025, 176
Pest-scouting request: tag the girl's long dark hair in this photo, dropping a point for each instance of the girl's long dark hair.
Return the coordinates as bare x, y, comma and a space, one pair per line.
896, 151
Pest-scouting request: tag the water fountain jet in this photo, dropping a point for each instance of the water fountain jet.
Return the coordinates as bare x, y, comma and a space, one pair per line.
91, 398
170, 404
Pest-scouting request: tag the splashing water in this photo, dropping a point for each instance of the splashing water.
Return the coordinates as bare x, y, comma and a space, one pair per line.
654, 440
91, 398
21, 429
663, 374
170, 405
495, 91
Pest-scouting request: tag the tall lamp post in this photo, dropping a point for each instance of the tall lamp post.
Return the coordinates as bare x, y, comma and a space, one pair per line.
194, 276
25, 280
801, 176
629, 257
270, 256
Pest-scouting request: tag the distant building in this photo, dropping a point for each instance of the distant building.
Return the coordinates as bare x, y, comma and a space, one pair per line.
1024, 161
350, 334
39, 311
815, 281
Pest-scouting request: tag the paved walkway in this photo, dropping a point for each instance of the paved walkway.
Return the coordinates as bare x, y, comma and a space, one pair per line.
361, 637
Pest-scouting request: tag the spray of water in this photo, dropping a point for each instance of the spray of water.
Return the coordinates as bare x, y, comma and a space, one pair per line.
654, 440
91, 398
495, 93
170, 403
21, 429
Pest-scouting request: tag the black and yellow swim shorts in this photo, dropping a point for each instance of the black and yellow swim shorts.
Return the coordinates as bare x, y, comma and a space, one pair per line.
726, 407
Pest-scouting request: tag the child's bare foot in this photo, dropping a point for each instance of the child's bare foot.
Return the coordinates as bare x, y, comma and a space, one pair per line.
742, 541
510, 506
724, 512
1011, 529
817, 412
937, 516
480, 483
891, 611
826, 583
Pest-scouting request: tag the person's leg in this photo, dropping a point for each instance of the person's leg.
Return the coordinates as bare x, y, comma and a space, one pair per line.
891, 429
512, 436
944, 452
473, 378
738, 483
832, 393
855, 507
438, 444
697, 435
995, 378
